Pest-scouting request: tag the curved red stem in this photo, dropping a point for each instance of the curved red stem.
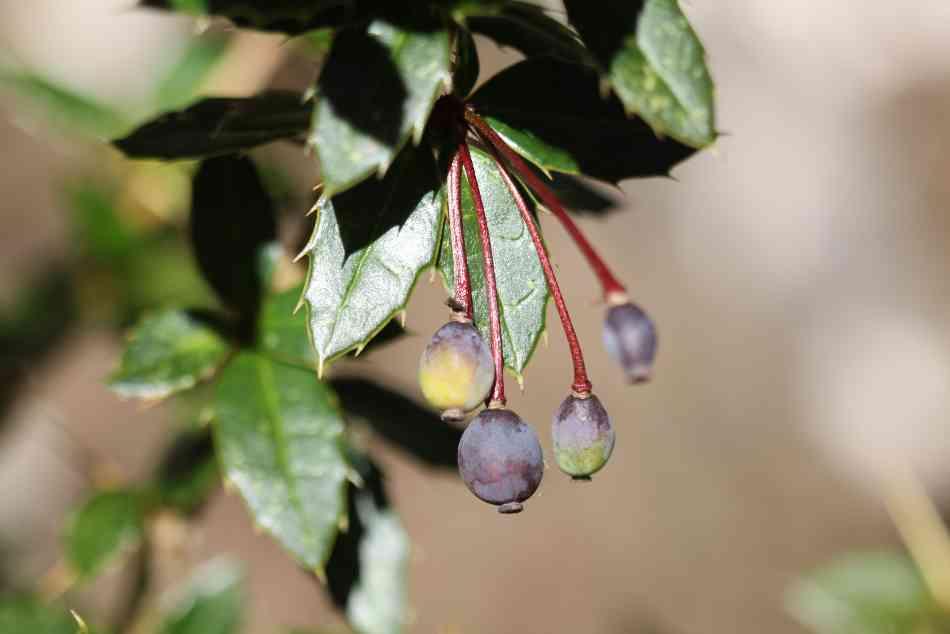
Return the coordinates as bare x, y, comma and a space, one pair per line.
581, 386
463, 285
612, 288
488, 262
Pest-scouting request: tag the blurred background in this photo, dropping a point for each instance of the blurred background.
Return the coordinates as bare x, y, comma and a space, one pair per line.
797, 272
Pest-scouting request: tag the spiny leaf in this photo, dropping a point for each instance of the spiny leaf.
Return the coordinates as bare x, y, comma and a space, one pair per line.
105, 526
166, 353
360, 126
654, 62
368, 247
186, 75
211, 602
553, 114
282, 330
527, 28
522, 291
219, 125
279, 437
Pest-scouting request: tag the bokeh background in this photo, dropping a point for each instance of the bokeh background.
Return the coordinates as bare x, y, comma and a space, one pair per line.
798, 273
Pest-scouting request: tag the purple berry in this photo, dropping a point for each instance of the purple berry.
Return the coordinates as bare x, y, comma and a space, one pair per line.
583, 436
500, 459
630, 339
456, 371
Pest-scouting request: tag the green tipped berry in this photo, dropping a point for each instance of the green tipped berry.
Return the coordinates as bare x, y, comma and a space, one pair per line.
583, 436
456, 370
500, 459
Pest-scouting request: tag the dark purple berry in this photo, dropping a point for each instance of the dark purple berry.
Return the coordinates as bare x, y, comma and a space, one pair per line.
583, 436
500, 459
456, 371
630, 339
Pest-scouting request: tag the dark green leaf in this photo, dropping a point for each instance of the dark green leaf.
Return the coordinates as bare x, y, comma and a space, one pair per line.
403, 422
282, 329
186, 75
166, 353
390, 332
865, 593
527, 28
233, 223
466, 64
188, 473
368, 247
576, 195
359, 125
211, 603
69, 110
107, 525
367, 572
654, 62
289, 16
219, 125
553, 114
27, 615
279, 437
522, 291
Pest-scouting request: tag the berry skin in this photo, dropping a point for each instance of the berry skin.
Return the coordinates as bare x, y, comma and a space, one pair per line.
500, 459
630, 339
583, 436
456, 370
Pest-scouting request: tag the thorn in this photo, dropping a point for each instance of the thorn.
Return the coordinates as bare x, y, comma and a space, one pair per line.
320, 367
343, 523
300, 303
359, 349
402, 316
315, 205
321, 574
355, 478
316, 188
545, 339
520, 379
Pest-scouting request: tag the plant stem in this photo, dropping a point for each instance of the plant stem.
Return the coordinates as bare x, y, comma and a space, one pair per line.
581, 386
614, 291
463, 285
494, 319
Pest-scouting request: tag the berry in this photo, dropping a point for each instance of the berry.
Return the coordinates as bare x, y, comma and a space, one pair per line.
456, 370
630, 339
583, 436
500, 459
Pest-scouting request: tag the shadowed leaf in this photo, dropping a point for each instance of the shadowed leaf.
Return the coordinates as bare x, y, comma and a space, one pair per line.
527, 28
107, 525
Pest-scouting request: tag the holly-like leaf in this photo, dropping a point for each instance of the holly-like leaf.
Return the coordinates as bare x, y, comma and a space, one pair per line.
282, 329
368, 247
233, 223
166, 353
211, 602
553, 114
401, 421
654, 62
186, 75
360, 126
576, 195
107, 525
865, 593
527, 28
69, 110
26, 614
367, 572
522, 290
466, 64
188, 472
219, 125
279, 437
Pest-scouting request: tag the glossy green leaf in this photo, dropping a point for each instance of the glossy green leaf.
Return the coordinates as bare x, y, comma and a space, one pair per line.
279, 436
360, 126
404, 423
107, 525
522, 290
219, 125
527, 28
282, 329
69, 110
466, 65
188, 473
553, 114
166, 353
27, 615
211, 603
368, 247
233, 224
654, 62
186, 75
865, 593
